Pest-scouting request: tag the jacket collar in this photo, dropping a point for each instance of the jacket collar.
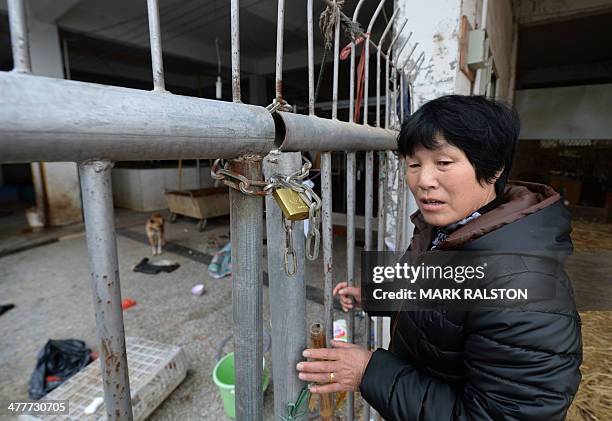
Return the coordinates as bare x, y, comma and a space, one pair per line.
519, 200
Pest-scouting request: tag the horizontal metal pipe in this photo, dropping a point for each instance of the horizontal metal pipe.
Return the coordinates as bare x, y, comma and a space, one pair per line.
313, 133
46, 119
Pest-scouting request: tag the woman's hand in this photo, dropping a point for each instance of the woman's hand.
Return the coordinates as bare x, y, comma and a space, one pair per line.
347, 294
341, 370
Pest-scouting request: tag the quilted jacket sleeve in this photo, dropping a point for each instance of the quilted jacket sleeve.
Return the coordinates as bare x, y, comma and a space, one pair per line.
519, 366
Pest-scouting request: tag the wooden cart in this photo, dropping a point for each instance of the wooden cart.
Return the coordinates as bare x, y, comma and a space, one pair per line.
199, 204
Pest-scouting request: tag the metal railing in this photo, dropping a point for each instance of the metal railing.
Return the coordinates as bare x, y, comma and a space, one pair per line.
45, 119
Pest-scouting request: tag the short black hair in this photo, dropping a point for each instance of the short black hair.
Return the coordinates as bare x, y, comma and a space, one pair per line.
484, 129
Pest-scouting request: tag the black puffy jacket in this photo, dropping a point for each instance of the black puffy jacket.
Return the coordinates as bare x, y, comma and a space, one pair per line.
486, 365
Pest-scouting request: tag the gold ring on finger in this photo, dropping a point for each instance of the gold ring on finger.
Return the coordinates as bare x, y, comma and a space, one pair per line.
331, 377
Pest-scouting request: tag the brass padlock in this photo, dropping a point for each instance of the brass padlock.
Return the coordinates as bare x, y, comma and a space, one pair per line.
293, 206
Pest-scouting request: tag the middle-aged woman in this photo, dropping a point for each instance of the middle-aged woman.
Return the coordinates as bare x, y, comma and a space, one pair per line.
468, 365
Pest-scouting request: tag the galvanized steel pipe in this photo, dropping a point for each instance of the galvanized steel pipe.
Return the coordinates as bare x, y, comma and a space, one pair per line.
287, 293
366, 87
311, 86
235, 28
350, 212
102, 249
46, 119
157, 61
246, 230
298, 132
378, 56
279, 48
20, 42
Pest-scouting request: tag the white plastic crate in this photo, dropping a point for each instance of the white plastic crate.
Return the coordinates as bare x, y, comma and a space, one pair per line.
155, 370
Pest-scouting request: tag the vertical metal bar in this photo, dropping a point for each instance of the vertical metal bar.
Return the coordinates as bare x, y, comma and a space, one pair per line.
20, 42
350, 205
157, 61
326, 208
387, 66
350, 219
369, 204
311, 87
97, 195
327, 205
336, 66
400, 50
366, 87
416, 66
378, 56
350, 257
401, 187
326, 220
401, 117
235, 25
246, 222
279, 48
246, 219
391, 109
352, 77
287, 293
369, 154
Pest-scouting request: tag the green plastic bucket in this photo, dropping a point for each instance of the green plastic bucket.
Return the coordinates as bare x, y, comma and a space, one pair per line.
223, 375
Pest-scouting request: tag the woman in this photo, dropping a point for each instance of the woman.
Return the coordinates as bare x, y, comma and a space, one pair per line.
468, 365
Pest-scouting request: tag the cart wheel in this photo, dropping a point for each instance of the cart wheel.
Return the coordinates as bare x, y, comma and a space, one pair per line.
202, 225
172, 218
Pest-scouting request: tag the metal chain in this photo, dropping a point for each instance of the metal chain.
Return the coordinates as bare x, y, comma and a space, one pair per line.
289, 251
279, 105
312, 200
294, 182
219, 171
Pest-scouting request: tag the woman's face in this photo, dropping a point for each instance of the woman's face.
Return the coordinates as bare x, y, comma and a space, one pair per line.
444, 184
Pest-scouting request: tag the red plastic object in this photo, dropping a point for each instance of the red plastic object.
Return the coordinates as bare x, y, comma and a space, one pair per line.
53, 379
127, 303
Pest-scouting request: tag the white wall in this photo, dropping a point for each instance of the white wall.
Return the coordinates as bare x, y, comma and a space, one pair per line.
576, 112
61, 182
435, 26
143, 189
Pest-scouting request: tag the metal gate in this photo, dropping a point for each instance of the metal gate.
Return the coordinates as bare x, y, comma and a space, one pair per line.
45, 119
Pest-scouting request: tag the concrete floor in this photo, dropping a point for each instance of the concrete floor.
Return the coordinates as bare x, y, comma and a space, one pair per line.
50, 286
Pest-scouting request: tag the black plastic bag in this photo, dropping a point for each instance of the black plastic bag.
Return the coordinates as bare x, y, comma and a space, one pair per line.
149, 268
59, 358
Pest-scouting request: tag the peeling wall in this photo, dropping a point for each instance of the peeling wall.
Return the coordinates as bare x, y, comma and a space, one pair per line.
435, 26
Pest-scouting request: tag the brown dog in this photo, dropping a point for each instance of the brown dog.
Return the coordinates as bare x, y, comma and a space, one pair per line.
155, 233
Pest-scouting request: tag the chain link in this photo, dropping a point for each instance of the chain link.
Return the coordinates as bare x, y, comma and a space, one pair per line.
219, 171
294, 182
290, 269
279, 105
